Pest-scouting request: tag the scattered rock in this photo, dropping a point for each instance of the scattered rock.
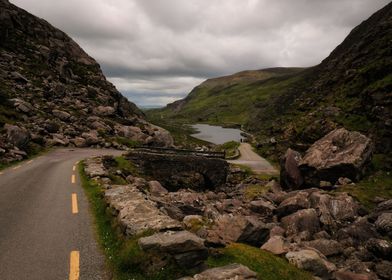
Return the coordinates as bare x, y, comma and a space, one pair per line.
303, 220
384, 224
136, 213
312, 261
187, 249
16, 135
228, 272
276, 245
95, 168
290, 174
155, 188
347, 275
325, 246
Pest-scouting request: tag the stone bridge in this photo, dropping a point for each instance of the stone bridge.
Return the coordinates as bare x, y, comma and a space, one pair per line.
177, 170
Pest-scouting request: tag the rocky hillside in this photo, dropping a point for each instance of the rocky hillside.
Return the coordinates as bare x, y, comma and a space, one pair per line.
351, 88
52, 93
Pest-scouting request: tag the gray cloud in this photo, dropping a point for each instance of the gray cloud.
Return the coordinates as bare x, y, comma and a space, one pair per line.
156, 51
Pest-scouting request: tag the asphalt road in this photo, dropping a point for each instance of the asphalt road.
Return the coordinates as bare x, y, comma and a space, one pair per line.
46, 229
251, 159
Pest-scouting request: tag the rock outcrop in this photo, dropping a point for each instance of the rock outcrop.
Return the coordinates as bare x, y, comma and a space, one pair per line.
54, 94
229, 272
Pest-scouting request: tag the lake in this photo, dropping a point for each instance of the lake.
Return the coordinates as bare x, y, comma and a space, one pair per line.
216, 134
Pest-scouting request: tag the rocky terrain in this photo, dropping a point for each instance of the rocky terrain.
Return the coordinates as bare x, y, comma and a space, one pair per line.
53, 94
321, 230
351, 88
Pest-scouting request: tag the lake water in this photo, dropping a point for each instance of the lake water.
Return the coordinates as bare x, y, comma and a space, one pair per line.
216, 134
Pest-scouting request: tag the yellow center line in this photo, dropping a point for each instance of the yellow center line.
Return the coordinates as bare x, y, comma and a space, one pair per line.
75, 209
73, 179
74, 168
1, 173
74, 269
16, 167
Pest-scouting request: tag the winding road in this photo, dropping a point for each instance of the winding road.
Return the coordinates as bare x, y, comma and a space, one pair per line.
46, 230
251, 159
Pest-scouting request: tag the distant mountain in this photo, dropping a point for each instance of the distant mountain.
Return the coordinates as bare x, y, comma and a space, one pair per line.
52, 93
351, 88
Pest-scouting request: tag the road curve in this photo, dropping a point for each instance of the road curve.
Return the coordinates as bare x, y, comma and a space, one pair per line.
38, 230
249, 158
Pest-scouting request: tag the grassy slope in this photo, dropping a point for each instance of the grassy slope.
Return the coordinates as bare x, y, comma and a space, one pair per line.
228, 100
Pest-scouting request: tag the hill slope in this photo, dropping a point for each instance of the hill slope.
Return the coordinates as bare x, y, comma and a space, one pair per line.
350, 88
53, 93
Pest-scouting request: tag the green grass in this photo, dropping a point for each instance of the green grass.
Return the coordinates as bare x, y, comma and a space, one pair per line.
266, 265
231, 148
254, 191
365, 191
124, 257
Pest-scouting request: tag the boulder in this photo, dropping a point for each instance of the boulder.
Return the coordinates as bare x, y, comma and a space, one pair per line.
193, 221
384, 269
325, 246
334, 210
384, 224
16, 135
91, 138
276, 245
186, 248
290, 174
62, 115
357, 233
301, 221
340, 153
312, 261
79, 142
262, 207
229, 228
228, 272
348, 275
292, 204
136, 213
95, 168
155, 188
104, 111
380, 248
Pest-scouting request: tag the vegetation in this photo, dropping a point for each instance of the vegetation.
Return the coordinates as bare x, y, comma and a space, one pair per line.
124, 257
231, 149
266, 265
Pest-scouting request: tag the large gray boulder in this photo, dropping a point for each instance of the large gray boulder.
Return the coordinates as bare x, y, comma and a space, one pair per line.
16, 135
229, 228
135, 213
312, 261
305, 220
186, 248
228, 272
341, 153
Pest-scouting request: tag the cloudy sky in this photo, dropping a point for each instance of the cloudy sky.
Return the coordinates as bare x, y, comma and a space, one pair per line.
156, 51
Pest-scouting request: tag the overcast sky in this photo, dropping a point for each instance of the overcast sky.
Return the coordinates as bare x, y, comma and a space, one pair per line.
156, 51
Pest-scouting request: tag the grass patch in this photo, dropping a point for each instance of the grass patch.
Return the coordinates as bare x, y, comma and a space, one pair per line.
124, 257
255, 191
127, 142
266, 265
231, 148
365, 191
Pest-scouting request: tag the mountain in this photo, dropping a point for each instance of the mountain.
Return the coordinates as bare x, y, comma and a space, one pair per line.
351, 88
54, 94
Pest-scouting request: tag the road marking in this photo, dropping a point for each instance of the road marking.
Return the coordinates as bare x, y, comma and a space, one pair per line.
73, 179
75, 209
74, 269
1, 173
16, 167
30, 161
74, 168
